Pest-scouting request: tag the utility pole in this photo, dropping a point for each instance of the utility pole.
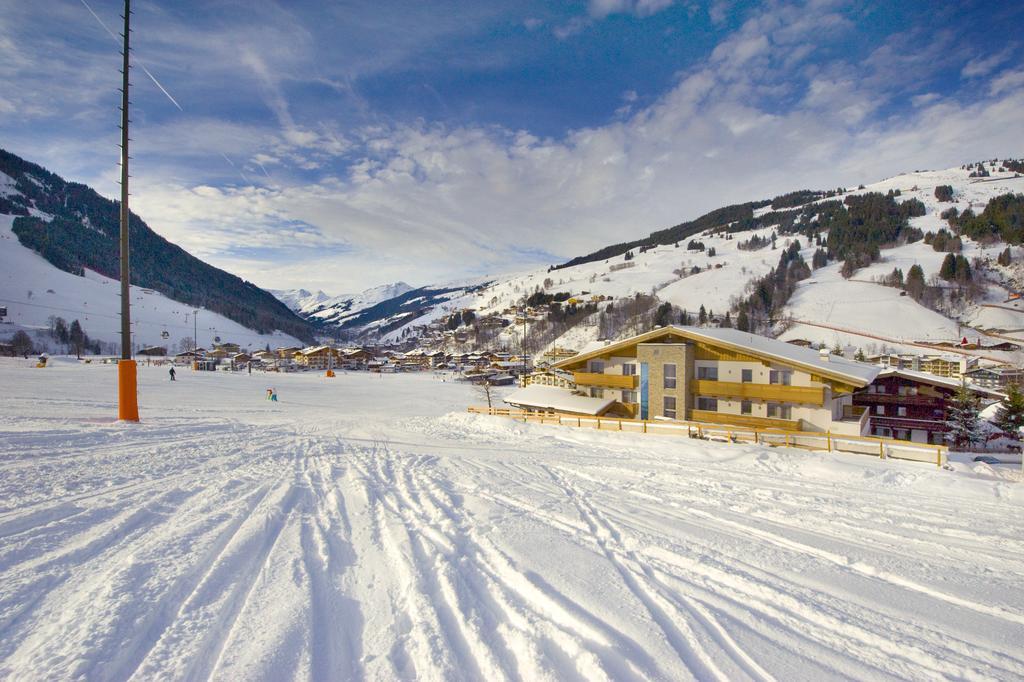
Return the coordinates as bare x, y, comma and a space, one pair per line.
195, 339
127, 370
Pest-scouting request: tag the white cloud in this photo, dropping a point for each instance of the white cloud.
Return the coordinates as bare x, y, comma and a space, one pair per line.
426, 202
602, 8
1007, 81
984, 65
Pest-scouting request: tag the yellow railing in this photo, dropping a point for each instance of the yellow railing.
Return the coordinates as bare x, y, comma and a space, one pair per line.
704, 416
626, 381
810, 395
810, 440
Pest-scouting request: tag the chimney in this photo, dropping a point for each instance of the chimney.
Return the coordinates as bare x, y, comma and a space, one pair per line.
823, 354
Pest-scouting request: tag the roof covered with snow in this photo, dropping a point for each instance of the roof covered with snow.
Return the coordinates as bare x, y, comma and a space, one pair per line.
558, 399
935, 380
857, 373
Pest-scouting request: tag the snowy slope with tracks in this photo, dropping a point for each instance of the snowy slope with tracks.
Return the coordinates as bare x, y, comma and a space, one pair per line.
367, 527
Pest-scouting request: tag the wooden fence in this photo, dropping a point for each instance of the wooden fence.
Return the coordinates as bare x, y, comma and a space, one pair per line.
809, 440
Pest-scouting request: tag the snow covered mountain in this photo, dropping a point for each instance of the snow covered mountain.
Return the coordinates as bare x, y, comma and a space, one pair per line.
33, 290
299, 300
826, 307
375, 311
59, 257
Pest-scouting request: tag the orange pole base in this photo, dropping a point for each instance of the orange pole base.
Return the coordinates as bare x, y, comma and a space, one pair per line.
127, 391
330, 373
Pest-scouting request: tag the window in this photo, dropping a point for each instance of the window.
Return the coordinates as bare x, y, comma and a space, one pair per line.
629, 396
629, 369
669, 407
881, 388
747, 375
879, 409
670, 375
746, 407
780, 376
707, 373
901, 411
596, 392
779, 411
707, 404
596, 367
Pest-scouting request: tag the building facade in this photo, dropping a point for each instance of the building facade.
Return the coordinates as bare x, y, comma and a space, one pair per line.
996, 378
908, 405
724, 376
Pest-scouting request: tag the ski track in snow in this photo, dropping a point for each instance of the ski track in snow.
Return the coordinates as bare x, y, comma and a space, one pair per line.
371, 530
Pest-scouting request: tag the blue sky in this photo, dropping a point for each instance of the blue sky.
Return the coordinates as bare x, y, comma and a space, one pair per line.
343, 145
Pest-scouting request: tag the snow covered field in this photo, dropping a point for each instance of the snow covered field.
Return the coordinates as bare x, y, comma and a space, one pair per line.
367, 527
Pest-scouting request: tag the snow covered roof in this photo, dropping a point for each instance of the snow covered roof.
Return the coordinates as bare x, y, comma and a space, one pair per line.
935, 380
833, 366
558, 399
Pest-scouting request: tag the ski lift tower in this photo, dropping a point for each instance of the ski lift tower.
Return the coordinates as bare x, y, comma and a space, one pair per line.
127, 369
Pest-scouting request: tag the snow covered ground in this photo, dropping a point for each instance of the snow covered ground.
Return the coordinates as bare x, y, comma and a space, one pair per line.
367, 527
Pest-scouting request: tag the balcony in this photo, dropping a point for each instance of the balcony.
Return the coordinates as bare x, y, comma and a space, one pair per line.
618, 381
746, 421
866, 398
808, 395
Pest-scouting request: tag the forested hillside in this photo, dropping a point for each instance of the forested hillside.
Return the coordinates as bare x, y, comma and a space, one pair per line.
83, 233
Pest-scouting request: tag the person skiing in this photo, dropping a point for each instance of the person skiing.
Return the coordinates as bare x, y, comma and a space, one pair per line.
172, 373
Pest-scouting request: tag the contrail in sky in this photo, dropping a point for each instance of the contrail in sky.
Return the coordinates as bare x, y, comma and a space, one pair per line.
240, 172
141, 66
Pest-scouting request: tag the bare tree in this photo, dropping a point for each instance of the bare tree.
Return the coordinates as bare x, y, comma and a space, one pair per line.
484, 390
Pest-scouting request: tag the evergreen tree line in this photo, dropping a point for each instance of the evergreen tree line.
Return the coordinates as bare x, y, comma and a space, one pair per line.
72, 336
943, 240
771, 292
1002, 218
757, 242
734, 218
859, 226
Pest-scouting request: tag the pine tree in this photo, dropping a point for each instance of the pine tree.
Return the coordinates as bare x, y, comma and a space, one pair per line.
962, 270
948, 269
1010, 416
819, 259
727, 322
859, 356
962, 419
742, 321
702, 315
915, 282
663, 316
77, 338
684, 319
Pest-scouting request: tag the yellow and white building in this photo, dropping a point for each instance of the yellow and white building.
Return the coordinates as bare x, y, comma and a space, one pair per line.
318, 357
725, 376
